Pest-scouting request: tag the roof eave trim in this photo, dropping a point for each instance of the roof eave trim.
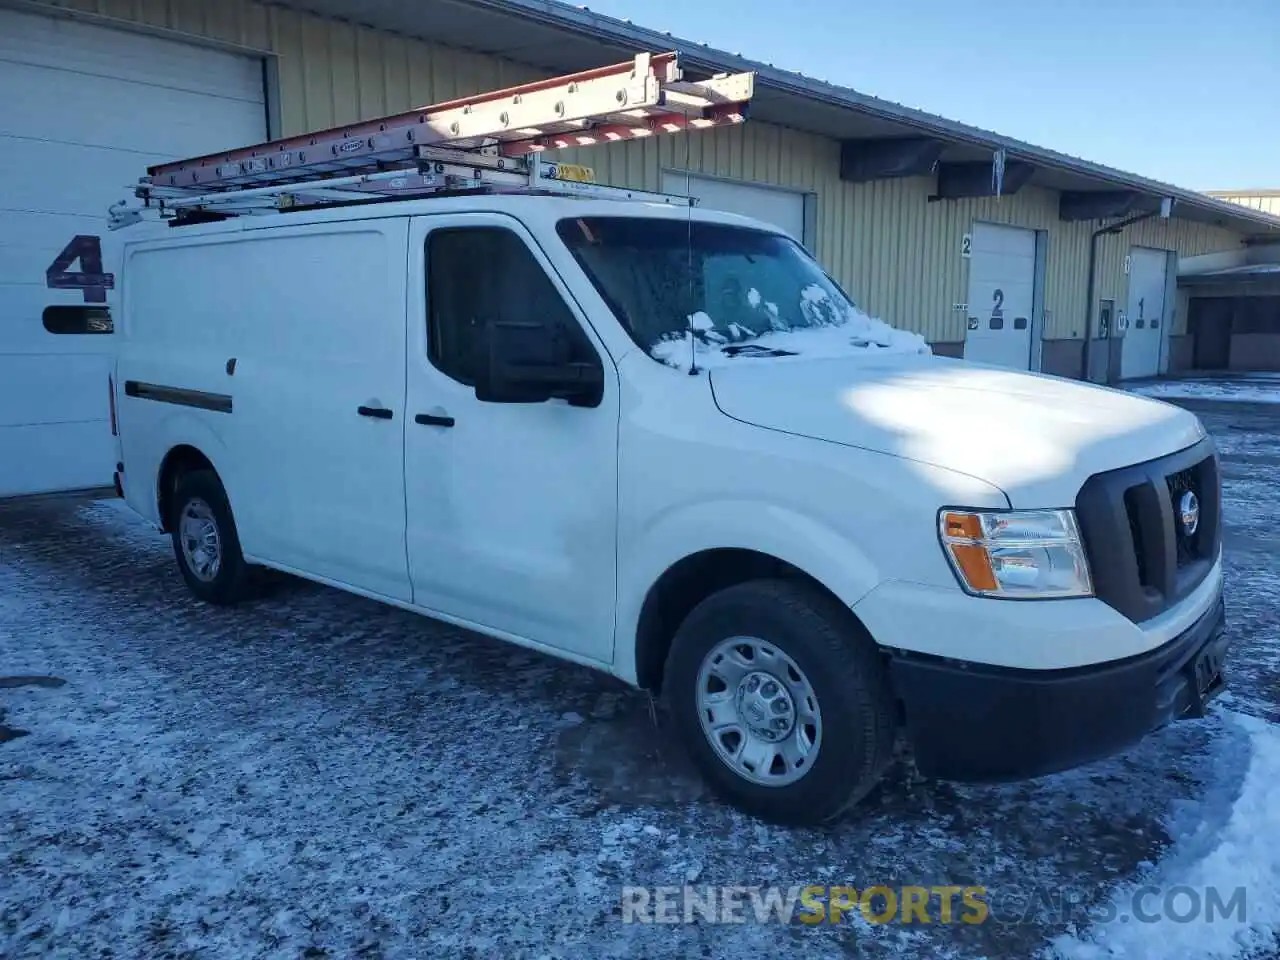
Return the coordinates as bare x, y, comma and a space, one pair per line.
611, 30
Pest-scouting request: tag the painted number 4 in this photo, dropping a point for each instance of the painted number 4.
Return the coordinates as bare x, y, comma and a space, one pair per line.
90, 278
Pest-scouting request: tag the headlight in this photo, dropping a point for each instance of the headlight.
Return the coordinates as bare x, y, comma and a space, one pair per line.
1017, 555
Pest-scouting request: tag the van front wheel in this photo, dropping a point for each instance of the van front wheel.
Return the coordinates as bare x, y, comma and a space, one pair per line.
782, 701
205, 541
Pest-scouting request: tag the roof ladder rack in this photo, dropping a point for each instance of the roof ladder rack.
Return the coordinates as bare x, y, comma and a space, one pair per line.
490, 142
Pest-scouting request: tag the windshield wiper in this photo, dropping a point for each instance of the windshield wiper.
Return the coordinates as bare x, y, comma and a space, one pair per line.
755, 350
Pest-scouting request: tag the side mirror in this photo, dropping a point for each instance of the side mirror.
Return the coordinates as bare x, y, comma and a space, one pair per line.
530, 363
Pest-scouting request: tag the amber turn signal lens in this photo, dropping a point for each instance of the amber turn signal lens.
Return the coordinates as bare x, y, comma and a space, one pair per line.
974, 564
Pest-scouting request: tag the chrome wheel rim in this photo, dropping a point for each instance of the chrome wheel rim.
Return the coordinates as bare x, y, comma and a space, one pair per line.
200, 540
758, 711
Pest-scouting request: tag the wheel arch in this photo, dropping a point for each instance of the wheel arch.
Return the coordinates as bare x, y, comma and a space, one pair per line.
689, 581
181, 458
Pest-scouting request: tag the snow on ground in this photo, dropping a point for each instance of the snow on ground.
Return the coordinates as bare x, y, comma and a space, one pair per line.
315, 775
1260, 388
1243, 852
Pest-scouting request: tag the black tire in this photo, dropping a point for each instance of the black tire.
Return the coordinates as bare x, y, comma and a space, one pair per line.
232, 581
844, 670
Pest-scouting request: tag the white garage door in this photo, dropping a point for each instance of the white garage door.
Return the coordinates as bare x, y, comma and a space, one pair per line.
85, 110
1002, 282
781, 208
1144, 325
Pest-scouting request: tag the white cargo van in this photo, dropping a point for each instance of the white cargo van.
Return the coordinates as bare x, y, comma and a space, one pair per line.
660, 441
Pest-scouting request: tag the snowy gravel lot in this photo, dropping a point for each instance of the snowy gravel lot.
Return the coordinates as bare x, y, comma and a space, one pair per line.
1243, 387
315, 775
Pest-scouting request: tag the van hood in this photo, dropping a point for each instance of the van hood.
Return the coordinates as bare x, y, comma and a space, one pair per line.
1036, 437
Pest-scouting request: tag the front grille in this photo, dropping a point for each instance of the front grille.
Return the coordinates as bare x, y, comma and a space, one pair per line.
1131, 509
1142, 557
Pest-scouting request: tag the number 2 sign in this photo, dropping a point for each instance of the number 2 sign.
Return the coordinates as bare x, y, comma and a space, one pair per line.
997, 310
91, 279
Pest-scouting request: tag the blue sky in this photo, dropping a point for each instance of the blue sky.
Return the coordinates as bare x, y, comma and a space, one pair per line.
1185, 91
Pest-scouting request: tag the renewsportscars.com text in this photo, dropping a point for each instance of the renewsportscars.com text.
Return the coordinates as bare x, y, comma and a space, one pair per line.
813, 904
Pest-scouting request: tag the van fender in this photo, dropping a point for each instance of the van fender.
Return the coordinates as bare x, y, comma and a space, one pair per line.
180, 429
782, 532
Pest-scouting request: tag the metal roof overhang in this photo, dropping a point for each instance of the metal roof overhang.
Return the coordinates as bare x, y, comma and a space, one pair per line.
559, 38
1254, 278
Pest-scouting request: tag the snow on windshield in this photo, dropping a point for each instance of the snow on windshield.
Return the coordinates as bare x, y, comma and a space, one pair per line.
710, 293
833, 328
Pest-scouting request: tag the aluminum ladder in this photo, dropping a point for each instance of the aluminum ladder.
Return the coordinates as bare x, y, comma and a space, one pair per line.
489, 142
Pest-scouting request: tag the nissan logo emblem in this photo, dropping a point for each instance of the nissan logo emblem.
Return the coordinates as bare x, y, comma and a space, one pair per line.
1189, 513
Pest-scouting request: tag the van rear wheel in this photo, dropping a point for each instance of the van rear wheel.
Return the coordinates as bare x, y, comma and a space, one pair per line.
782, 701
205, 541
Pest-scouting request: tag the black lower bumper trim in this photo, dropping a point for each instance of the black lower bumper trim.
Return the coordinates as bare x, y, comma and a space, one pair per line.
973, 722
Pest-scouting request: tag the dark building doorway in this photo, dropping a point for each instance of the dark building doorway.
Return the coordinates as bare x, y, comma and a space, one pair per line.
1209, 322
1240, 332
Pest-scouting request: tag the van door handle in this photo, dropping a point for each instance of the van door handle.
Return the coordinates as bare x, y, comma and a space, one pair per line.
433, 420
378, 413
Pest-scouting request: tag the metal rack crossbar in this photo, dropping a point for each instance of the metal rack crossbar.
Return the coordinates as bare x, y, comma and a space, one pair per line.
491, 141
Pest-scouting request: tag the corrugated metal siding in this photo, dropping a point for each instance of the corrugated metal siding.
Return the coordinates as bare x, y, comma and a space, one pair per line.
900, 253
1268, 202
897, 253
1187, 238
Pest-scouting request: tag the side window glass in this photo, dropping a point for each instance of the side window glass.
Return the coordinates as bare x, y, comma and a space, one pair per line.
481, 275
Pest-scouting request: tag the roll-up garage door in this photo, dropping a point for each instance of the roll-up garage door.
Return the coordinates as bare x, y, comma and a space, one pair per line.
86, 109
774, 205
1002, 281
1144, 326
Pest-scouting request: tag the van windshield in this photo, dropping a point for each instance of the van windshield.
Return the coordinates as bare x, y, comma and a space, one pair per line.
714, 293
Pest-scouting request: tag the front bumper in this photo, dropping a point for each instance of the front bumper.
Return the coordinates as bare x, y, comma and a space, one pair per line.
976, 722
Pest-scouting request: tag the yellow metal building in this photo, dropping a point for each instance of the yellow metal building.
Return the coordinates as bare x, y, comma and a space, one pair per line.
1268, 201
905, 246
